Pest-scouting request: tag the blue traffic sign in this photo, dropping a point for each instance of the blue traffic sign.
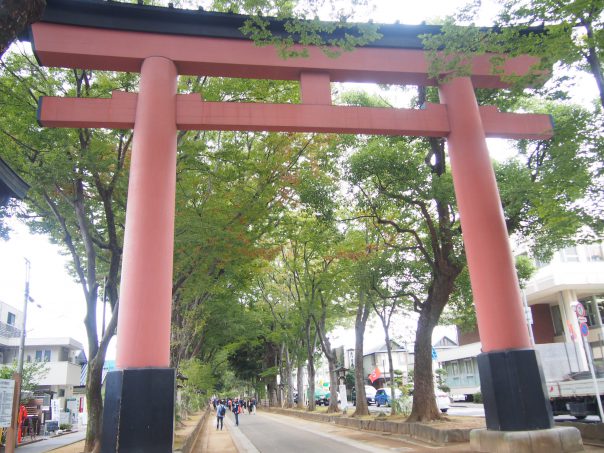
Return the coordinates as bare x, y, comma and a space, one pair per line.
584, 329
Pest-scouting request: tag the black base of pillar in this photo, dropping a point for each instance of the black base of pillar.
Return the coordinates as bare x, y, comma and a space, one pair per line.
138, 415
513, 390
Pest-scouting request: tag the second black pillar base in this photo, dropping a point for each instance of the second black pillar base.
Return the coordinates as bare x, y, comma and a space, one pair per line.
138, 415
513, 390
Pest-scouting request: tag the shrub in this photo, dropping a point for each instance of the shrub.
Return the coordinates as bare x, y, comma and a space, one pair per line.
477, 397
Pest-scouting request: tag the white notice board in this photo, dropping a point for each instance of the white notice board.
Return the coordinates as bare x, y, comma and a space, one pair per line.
7, 390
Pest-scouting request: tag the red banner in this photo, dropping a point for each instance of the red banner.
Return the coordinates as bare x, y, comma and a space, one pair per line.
375, 374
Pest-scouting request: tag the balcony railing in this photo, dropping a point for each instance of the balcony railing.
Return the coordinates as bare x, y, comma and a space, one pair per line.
8, 331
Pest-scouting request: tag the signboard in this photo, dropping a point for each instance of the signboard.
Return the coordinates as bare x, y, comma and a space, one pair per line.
7, 390
55, 409
73, 407
584, 329
581, 319
580, 309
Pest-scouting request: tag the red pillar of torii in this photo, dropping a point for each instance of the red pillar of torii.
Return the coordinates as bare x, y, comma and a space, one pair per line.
509, 365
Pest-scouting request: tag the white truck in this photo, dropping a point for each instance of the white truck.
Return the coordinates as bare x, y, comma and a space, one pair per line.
569, 382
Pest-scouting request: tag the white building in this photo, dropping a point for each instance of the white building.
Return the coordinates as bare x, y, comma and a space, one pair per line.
575, 274
62, 356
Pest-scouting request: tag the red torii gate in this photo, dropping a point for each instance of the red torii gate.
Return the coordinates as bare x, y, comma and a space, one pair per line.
86, 38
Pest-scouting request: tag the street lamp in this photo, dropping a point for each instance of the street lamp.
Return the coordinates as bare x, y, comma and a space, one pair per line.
341, 374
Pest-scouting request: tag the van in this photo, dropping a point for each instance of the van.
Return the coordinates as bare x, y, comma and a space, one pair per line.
370, 394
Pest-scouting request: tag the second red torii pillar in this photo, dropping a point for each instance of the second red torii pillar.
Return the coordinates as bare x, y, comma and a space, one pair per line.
143, 333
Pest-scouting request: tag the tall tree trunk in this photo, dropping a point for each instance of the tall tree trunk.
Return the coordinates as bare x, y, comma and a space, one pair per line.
281, 376
94, 384
310, 368
310, 364
290, 379
300, 385
424, 400
15, 17
594, 61
272, 392
360, 322
333, 382
94, 402
391, 367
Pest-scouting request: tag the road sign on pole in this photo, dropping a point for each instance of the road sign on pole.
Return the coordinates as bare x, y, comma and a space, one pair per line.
580, 309
584, 329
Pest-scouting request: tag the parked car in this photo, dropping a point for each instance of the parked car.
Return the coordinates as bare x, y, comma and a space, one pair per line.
370, 392
327, 398
443, 402
383, 397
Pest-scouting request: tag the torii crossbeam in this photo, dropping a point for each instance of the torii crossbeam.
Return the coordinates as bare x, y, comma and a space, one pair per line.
163, 43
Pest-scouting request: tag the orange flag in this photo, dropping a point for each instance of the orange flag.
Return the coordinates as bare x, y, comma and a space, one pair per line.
375, 374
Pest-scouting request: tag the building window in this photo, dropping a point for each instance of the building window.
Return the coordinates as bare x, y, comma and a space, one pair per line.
469, 367
10, 320
569, 255
61, 393
594, 252
557, 320
43, 355
598, 301
591, 307
455, 368
28, 358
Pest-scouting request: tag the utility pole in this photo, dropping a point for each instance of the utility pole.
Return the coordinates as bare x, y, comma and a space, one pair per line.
11, 437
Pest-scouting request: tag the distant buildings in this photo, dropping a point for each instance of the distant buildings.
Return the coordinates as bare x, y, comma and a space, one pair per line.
63, 358
575, 274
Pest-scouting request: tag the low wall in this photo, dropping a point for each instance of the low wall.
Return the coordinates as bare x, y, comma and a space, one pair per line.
589, 431
421, 431
185, 439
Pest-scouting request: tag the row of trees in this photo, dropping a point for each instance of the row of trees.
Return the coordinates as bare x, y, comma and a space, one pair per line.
281, 237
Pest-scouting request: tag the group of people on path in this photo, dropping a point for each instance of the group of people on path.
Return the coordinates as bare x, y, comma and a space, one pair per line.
236, 406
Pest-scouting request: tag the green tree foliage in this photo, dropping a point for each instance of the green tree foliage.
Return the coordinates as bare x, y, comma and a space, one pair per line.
301, 26
575, 32
406, 191
33, 373
78, 188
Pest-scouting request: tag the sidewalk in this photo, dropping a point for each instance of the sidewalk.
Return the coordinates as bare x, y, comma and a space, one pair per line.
68, 443
213, 440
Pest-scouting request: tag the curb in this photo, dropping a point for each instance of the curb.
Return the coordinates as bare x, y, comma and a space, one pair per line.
191, 439
589, 431
420, 431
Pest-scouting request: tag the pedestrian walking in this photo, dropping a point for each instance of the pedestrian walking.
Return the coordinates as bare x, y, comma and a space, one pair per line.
220, 413
236, 406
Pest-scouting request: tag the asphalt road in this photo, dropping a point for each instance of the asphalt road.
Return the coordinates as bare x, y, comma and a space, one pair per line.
272, 433
269, 433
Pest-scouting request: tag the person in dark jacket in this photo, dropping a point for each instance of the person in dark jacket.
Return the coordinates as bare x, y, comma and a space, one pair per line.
236, 404
220, 413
